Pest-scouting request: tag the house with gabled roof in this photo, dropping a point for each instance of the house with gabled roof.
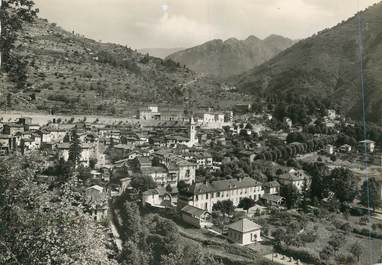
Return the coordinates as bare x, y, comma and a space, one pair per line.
96, 202
271, 187
298, 178
195, 216
205, 195
244, 232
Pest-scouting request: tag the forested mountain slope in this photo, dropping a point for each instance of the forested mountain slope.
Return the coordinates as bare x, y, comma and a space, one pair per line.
327, 66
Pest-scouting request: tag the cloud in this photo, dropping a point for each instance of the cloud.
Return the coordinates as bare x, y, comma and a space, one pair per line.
181, 30
184, 23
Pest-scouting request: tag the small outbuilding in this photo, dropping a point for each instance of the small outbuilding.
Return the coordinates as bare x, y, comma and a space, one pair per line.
366, 145
195, 216
244, 232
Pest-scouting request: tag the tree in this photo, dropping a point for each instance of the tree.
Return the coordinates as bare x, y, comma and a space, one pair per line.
343, 184
75, 148
320, 175
84, 173
370, 194
43, 226
326, 253
336, 241
225, 207
246, 203
304, 196
249, 126
13, 13
169, 188
296, 137
356, 250
131, 254
182, 186
291, 195
93, 163
143, 183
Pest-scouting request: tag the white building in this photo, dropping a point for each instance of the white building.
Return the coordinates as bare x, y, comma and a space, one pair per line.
87, 151
332, 114
52, 135
159, 175
298, 178
244, 232
213, 117
203, 160
329, 149
151, 113
205, 195
368, 144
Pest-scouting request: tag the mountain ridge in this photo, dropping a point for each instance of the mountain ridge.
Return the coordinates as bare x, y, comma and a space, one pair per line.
66, 72
159, 52
225, 58
326, 65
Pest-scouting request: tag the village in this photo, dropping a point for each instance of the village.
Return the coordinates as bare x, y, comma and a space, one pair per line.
233, 177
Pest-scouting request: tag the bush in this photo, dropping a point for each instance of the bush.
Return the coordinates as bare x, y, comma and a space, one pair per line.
345, 259
367, 232
309, 237
357, 212
302, 255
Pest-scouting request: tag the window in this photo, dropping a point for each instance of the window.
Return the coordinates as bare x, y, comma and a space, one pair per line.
206, 196
212, 195
196, 197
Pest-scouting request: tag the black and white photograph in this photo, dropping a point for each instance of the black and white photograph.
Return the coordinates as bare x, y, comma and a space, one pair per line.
191, 132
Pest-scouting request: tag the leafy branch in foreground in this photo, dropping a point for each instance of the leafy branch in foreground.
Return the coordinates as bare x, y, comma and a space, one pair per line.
13, 14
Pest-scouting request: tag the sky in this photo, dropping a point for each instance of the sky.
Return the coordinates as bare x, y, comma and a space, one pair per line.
186, 23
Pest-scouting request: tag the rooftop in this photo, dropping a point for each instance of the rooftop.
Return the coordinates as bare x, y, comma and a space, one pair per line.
151, 170
272, 184
194, 211
222, 185
244, 226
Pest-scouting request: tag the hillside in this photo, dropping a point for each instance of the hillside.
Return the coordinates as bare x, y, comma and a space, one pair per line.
327, 66
231, 57
159, 52
67, 72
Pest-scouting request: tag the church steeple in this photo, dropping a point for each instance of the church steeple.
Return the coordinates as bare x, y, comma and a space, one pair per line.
193, 139
192, 129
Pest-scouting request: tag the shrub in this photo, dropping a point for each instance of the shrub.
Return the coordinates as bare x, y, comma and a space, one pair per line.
309, 237
344, 259
302, 255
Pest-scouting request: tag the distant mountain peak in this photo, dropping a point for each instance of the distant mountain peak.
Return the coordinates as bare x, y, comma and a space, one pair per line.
232, 41
252, 38
223, 59
326, 66
274, 36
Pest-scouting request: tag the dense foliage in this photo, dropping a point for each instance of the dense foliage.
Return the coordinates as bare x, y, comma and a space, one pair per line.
153, 240
44, 226
13, 13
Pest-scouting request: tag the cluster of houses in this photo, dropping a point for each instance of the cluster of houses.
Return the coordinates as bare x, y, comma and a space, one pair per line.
208, 119
163, 158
